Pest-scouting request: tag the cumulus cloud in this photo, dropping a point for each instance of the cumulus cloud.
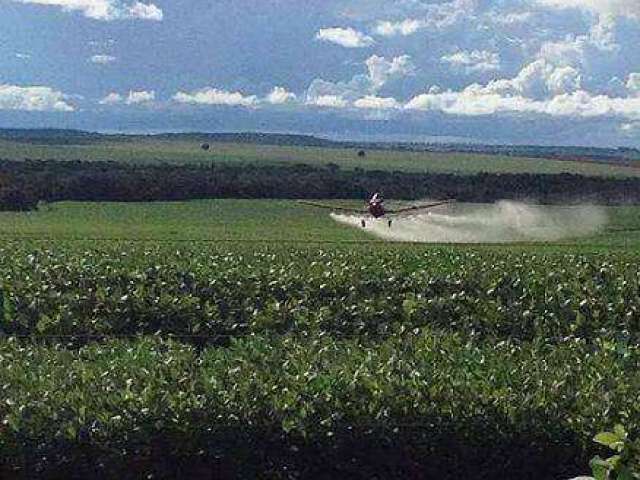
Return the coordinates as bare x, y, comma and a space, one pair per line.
404, 27
475, 100
136, 98
551, 82
330, 101
562, 79
587, 55
106, 10
372, 102
537, 79
280, 96
112, 99
625, 8
603, 33
145, 11
473, 61
380, 71
214, 96
511, 18
434, 16
35, 99
615, 87
345, 37
102, 59
582, 50
132, 98
569, 51
633, 83
539, 88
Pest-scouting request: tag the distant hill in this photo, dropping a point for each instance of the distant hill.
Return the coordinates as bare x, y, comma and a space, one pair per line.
279, 139
49, 136
67, 137
627, 156
573, 153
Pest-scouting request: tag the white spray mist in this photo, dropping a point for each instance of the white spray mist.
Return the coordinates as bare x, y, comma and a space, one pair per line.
504, 221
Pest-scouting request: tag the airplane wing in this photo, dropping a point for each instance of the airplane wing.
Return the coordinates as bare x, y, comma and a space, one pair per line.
419, 207
331, 207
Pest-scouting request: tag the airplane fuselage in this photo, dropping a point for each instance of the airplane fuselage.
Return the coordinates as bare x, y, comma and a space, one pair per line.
376, 206
376, 209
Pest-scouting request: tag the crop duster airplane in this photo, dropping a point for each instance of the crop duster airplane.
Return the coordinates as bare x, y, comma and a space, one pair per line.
375, 208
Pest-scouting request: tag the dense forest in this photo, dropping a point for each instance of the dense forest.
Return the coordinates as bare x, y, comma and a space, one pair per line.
23, 184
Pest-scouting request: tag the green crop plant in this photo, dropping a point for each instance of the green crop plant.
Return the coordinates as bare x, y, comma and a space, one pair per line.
221, 292
307, 360
624, 464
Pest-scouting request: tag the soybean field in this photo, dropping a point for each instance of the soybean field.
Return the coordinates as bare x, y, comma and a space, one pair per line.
246, 339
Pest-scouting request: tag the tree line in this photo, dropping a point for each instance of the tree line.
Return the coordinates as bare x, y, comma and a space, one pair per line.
23, 184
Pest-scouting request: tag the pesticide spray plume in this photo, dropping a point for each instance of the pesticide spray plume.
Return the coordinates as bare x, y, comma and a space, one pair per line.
502, 222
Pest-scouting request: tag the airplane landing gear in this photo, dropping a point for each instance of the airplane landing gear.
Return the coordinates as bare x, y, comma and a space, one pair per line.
363, 223
390, 222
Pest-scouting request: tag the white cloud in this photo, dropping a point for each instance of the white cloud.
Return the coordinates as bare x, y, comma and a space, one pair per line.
625, 8
570, 51
405, 27
38, 98
280, 96
563, 80
512, 18
603, 33
630, 128
214, 96
537, 79
23, 56
435, 16
145, 11
633, 83
376, 103
345, 37
136, 98
331, 101
106, 10
614, 88
133, 98
474, 101
539, 88
361, 90
474, 61
112, 99
355, 88
582, 50
102, 59
380, 71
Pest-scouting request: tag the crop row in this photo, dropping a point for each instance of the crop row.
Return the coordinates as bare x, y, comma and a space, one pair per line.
428, 405
229, 291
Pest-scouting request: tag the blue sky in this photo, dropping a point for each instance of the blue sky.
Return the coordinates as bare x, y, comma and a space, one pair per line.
516, 71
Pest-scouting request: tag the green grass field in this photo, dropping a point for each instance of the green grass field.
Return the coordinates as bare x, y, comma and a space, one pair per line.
243, 221
212, 220
180, 152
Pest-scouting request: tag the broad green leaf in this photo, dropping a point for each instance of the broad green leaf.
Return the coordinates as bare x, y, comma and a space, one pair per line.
599, 468
606, 438
620, 432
